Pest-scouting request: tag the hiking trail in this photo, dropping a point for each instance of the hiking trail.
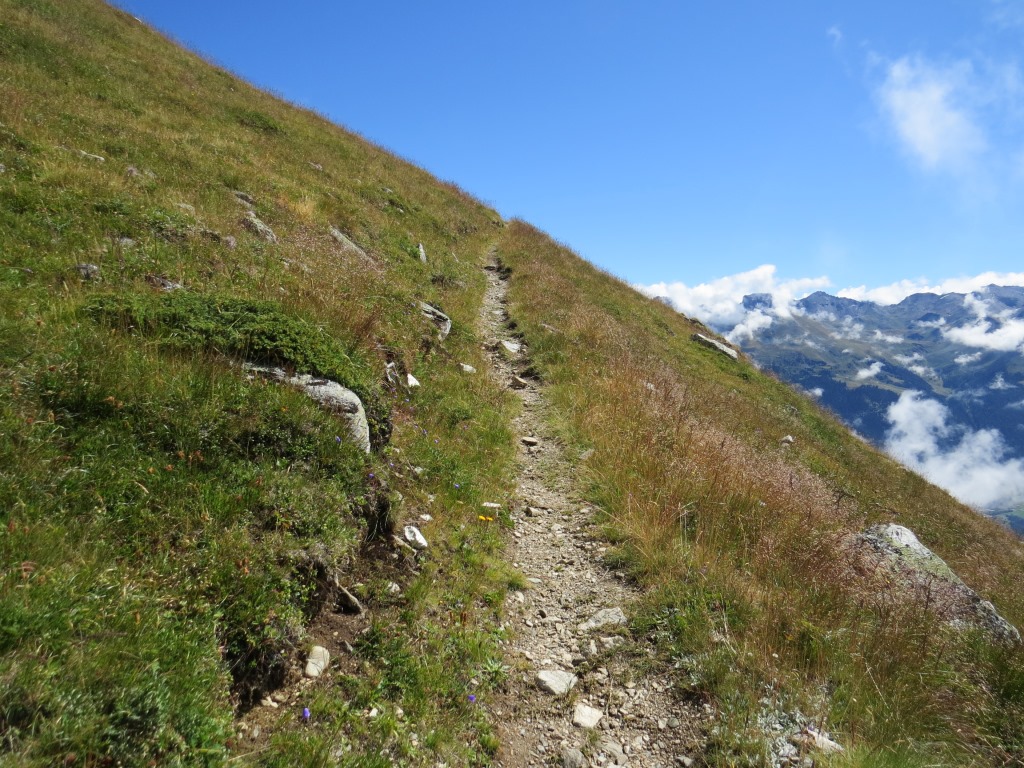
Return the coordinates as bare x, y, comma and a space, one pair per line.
568, 627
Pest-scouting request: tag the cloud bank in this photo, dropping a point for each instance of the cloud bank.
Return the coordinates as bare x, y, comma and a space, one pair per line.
975, 469
990, 329
894, 293
719, 303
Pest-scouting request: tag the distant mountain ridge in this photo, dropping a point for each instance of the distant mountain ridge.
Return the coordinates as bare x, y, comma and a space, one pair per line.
858, 358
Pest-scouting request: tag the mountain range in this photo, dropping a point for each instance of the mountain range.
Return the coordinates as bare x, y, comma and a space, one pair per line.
931, 377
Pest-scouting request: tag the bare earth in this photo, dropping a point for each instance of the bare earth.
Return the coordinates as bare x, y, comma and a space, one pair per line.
560, 552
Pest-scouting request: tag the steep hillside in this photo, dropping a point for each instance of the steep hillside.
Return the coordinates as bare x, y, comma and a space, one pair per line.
173, 523
202, 292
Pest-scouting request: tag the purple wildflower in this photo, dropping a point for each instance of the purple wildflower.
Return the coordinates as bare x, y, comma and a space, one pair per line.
305, 713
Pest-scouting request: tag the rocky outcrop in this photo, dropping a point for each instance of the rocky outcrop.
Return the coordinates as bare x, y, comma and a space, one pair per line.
253, 223
707, 341
895, 550
439, 318
346, 243
329, 394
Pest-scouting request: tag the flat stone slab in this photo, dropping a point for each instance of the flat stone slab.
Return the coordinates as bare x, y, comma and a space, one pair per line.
556, 681
707, 341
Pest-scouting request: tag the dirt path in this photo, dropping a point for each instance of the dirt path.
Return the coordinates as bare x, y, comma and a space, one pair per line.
555, 545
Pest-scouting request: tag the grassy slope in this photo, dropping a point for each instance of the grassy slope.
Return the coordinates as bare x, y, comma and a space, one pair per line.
738, 539
170, 524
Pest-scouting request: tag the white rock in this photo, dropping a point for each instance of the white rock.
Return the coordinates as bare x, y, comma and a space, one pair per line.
511, 347
467, 368
902, 537
423, 254
604, 618
491, 505
316, 663
556, 681
815, 740
586, 716
788, 440
439, 318
411, 381
707, 341
335, 397
394, 588
414, 537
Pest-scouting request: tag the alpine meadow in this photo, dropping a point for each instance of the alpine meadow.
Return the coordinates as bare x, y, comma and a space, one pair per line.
308, 458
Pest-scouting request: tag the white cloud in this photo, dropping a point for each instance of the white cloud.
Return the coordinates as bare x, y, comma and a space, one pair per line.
870, 372
888, 338
748, 327
914, 364
927, 107
990, 330
848, 329
719, 303
975, 469
967, 359
930, 323
999, 383
924, 371
894, 293
835, 34
908, 359
816, 391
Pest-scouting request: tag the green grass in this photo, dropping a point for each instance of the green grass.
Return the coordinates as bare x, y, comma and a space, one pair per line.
170, 524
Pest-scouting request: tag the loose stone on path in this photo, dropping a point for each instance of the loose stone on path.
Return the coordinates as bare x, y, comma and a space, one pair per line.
556, 681
603, 618
585, 716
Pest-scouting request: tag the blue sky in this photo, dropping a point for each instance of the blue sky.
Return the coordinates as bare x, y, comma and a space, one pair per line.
856, 143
